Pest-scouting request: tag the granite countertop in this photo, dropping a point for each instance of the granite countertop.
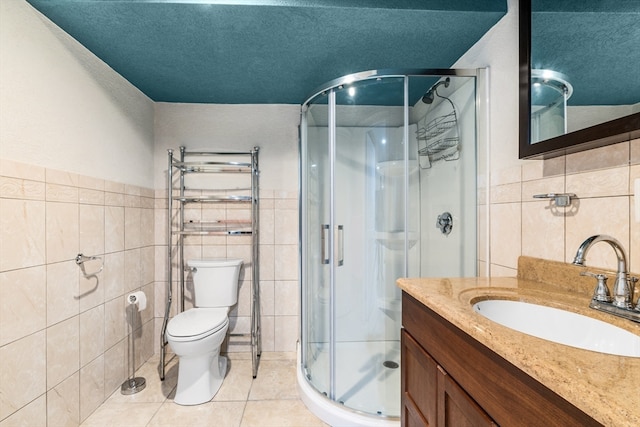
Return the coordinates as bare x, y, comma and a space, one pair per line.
606, 387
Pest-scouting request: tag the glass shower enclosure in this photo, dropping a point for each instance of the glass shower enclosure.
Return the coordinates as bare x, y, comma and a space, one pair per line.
384, 155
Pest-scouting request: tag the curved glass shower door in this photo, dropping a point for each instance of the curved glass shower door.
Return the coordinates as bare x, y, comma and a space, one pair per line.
315, 185
383, 158
354, 211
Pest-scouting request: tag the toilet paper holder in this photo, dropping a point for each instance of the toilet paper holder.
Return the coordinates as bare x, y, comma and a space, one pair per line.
134, 384
81, 259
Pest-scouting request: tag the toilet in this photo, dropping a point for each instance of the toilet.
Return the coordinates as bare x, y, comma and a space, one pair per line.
196, 334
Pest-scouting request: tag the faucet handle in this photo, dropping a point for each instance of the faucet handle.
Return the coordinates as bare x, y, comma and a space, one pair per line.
632, 285
601, 291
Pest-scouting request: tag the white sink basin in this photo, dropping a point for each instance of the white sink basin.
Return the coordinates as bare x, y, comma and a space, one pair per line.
561, 326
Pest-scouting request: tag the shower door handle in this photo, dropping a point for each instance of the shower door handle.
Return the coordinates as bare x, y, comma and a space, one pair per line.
323, 244
340, 245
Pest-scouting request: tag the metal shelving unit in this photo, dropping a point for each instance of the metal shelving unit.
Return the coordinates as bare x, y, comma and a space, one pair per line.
210, 165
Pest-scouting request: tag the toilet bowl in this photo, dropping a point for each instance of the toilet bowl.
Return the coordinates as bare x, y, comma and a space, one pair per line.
196, 335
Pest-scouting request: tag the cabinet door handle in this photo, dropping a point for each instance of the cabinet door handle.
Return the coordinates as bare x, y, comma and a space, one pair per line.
323, 244
340, 241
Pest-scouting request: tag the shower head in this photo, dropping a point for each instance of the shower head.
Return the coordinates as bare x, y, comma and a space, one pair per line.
427, 98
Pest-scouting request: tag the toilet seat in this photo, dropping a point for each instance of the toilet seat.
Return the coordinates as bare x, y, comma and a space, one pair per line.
197, 323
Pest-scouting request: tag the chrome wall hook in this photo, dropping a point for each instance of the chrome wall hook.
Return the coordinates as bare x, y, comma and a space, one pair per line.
560, 199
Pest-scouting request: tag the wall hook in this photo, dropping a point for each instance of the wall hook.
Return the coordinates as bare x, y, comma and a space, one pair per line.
560, 199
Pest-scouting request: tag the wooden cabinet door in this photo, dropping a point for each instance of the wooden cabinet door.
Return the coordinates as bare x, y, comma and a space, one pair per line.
490, 383
456, 408
419, 383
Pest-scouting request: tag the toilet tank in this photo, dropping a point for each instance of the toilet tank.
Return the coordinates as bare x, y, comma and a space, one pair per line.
215, 281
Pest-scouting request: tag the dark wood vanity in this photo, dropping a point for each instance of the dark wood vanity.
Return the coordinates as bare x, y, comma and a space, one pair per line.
450, 379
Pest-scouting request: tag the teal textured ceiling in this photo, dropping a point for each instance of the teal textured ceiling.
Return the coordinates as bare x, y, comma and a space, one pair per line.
595, 43
232, 52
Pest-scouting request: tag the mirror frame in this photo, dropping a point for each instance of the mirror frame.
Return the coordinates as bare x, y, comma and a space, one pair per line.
614, 131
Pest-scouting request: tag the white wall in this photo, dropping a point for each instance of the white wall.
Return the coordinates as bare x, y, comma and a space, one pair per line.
215, 127
521, 225
450, 186
274, 128
76, 153
583, 116
498, 50
63, 108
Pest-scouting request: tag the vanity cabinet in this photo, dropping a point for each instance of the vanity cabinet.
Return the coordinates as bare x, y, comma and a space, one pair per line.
430, 396
450, 379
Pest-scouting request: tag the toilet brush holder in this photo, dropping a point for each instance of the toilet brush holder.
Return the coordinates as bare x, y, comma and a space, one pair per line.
132, 384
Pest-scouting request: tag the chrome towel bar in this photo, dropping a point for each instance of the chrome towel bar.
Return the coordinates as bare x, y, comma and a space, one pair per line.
81, 259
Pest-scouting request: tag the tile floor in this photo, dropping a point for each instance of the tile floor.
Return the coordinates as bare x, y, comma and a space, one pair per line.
269, 400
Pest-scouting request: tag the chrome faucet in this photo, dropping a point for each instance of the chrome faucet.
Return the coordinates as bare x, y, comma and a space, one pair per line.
622, 289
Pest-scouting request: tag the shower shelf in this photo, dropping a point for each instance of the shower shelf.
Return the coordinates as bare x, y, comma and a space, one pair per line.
395, 239
439, 139
438, 126
440, 149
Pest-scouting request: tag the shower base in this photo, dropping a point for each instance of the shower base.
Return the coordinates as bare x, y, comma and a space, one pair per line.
367, 383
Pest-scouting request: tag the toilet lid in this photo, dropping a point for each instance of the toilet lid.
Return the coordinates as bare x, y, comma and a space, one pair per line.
197, 323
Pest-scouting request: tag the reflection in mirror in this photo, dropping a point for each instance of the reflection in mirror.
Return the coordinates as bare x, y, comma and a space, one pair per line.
550, 91
594, 45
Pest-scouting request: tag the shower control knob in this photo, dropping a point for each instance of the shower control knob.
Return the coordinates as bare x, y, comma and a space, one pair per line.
445, 223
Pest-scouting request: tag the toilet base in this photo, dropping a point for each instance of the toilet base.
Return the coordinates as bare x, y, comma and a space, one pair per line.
199, 379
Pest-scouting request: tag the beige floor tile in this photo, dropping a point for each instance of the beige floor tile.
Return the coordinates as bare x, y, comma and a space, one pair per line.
278, 355
227, 414
155, 390
276, 380
118, 414
271, 399
278, 413
239, 355
237, 383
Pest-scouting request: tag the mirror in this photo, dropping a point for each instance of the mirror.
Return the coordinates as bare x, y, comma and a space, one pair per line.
584, 56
